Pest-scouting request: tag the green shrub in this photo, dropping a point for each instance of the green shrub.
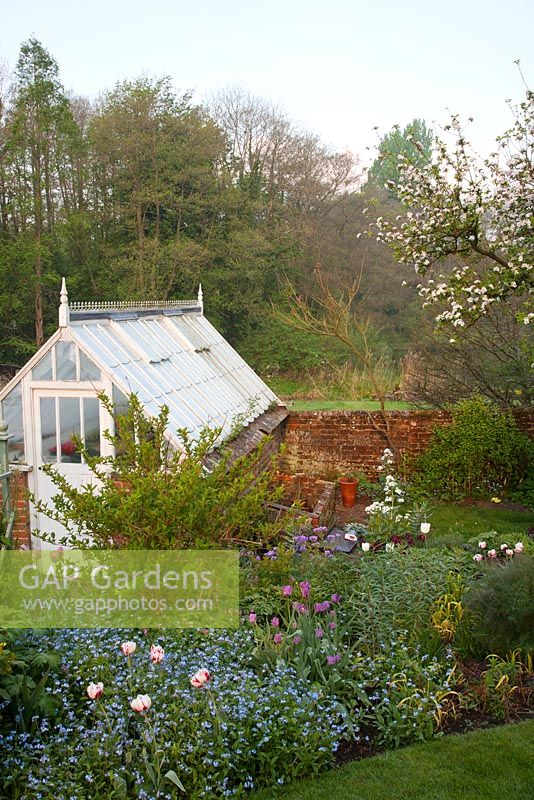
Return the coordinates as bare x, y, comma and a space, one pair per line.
481, 454
149, 496
501, 603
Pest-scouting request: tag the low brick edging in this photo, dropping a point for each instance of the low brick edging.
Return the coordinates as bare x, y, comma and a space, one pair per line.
18, 484
325, 444
317, 496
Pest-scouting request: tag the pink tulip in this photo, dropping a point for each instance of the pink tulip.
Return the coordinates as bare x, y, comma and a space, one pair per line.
200, 678
287, 591
275, 622
141, 703
492, 554
519, 547
128, 648
478, 557
509, 551
504, 547
95, 690
277, 638
252, 618
157, 654
482, 545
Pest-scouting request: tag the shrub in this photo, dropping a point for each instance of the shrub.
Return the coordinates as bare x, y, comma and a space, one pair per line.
502, 606
150, 496
482, 453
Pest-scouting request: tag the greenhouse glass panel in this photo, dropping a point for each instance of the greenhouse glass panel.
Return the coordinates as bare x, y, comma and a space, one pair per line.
43, 370
88, 369
12, 414
65, 361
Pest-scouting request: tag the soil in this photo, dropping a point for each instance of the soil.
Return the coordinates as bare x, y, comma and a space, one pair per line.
458, 720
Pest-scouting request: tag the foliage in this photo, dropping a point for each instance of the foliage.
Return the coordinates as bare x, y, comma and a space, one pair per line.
231, 737
150, 496
501, 601
414, 143
25, 673
480, 454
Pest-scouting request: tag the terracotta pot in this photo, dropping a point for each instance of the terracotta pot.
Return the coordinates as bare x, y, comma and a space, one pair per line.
348, 488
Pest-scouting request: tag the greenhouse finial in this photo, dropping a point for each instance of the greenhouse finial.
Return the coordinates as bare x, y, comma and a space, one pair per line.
64, 310
200, 298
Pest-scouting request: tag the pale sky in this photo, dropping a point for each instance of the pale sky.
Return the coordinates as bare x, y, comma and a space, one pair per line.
337, 67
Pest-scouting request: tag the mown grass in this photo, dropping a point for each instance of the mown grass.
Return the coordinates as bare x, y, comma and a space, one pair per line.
454, 523
494, 764
364, 404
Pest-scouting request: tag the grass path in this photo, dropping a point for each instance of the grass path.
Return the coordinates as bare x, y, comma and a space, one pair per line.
494, 764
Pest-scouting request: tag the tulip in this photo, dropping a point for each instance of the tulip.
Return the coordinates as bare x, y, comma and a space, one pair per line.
141, 703
335, 598
478, 557
331, 660
425, 527
305, 589
200, 678
286, 591
482, 545
519, 547
504, 546
390, 546
275, 622
95, 690
128, 648
509, 551
252, 618
319, 633
297, 639
277, 638
366, 546
157, 654
492, 554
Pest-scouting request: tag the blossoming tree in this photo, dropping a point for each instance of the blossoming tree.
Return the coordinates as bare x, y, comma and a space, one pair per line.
473, 219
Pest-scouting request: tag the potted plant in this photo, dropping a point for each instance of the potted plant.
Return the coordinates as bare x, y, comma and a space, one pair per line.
348, 486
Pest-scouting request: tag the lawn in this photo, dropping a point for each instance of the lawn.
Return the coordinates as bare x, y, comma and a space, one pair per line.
494, 764
454, 524
364, 404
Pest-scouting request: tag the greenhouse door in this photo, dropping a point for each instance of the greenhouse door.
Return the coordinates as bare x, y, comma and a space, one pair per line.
59, 417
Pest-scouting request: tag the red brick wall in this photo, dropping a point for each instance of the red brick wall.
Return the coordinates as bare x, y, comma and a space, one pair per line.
328, 443
20, 505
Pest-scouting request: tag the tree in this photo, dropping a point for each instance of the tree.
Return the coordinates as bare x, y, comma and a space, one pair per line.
414, 143
41, 130
473, 219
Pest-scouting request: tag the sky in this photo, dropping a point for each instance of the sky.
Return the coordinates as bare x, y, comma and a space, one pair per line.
339, 68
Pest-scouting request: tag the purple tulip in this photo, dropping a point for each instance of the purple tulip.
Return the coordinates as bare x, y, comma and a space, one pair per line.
275, 622
297, 640
252, 618
287, 591
305, 589
331, 660
277, 638
319, 633
335, 598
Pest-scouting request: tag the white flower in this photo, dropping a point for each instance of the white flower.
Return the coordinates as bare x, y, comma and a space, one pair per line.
478, 557
425, 527
128, 648
519, 547
482, 545
366, 546
95, 690
141, 703
509, 551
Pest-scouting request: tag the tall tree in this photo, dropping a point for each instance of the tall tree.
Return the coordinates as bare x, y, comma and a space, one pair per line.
40, 130
413, 143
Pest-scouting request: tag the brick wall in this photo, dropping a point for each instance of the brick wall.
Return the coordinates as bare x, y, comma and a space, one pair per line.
19, 503
326, 444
